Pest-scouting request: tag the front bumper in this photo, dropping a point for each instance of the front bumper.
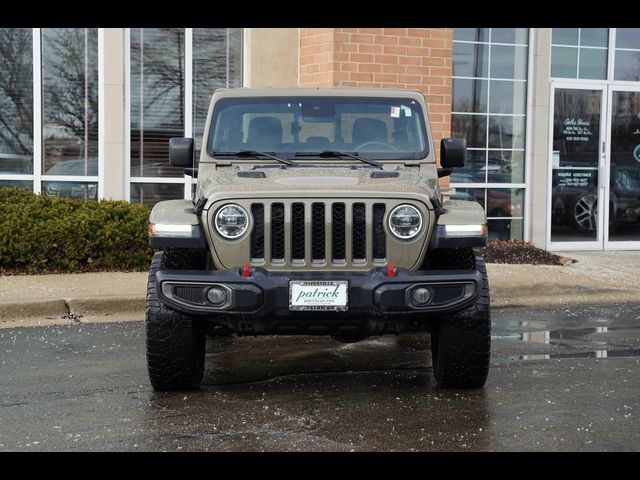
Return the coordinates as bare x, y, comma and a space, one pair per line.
260, 302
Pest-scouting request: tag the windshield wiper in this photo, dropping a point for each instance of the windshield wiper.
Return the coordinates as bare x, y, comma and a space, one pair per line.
336, 154
254, 153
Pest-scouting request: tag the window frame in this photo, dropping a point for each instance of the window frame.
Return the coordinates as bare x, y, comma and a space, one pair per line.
526, 149
187, 181
38, 176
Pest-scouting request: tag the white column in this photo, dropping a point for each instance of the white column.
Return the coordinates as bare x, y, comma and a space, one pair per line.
37, 110
111, 110
538, 161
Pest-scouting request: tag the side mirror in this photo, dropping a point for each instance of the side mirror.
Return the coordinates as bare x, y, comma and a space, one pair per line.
181, 152
452, 152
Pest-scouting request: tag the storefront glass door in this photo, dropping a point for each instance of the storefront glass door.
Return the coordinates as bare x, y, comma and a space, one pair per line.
594, 160
623, 211
576, 162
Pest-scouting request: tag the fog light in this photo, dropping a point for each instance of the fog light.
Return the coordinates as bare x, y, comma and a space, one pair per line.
217, 296
420, 296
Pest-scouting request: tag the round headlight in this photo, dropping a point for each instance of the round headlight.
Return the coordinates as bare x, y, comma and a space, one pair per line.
405, 222
231, 221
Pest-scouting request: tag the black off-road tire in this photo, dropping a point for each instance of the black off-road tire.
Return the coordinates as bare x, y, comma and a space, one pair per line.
461, 342
461, 258
175, 341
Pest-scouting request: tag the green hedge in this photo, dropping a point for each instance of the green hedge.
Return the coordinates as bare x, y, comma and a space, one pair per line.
41, 234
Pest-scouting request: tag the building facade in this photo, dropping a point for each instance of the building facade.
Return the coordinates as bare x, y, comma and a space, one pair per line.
551, 116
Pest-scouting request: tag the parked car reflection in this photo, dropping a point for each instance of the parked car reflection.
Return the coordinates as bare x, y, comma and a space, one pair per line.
577, 206
83, 190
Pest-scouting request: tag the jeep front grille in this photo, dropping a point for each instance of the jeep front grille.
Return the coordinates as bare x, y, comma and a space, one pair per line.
320, 233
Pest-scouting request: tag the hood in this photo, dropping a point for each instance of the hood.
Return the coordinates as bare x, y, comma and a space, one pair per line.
418, 182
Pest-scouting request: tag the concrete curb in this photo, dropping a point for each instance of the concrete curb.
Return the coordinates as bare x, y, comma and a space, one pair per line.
59, 308
33, 308
106, 305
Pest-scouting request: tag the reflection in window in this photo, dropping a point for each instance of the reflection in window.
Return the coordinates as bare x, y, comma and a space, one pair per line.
469, 95
489, 111
158, 88
504, 212
152, 193
157, 99
470, 59
70, 101
471, 127
579, 53
78, 190
27, 185
16, 101
503, 207
627, 55
217, 63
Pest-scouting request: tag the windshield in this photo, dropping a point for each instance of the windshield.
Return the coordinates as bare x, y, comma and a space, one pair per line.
380, 128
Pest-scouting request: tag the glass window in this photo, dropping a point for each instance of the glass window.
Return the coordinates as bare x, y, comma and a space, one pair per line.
508, 97
593, 64
503, 207
564, 36
505, 229
470, 194
381, 128
471, 34
157, 99
627, 66
628, 38
469, 95
594, 37
474, 171
508, 62
627, 61
579, 53
151, 193
217, 63
506, 132
471, 127
70, 101
510, 35
505, 166
564, 62
16, 101
470, 60
79, 190
27, 185
504, 202
489, 111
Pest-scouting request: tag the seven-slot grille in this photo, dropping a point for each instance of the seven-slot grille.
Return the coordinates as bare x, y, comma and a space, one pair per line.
321, 233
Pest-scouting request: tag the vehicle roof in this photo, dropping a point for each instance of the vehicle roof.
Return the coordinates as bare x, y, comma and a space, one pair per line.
328, 92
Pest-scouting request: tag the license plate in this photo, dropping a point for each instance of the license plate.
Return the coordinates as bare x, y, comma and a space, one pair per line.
318, 295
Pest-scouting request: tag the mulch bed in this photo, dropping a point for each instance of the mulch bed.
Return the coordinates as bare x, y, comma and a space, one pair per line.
517, 251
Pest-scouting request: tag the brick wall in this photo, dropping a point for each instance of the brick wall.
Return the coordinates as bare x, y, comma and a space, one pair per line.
406, 58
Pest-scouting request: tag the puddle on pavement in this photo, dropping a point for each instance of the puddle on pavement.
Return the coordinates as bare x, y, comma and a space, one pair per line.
552, 336
605, 353
558, 337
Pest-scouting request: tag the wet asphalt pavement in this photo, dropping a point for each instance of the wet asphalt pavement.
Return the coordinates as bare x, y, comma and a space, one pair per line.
562, 379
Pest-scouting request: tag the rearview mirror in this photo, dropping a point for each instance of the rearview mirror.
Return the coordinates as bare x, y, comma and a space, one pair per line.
453, 152
181, 152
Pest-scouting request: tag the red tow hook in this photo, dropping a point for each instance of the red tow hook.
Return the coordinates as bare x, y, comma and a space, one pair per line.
391, 272
245, 270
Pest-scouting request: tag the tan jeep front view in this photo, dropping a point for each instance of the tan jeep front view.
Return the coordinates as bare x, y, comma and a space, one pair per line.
317, 212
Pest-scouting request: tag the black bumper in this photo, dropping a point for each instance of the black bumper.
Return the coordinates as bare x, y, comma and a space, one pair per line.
259, 303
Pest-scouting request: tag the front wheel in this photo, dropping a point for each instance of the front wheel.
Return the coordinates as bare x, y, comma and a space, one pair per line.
175, 341
461, 342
